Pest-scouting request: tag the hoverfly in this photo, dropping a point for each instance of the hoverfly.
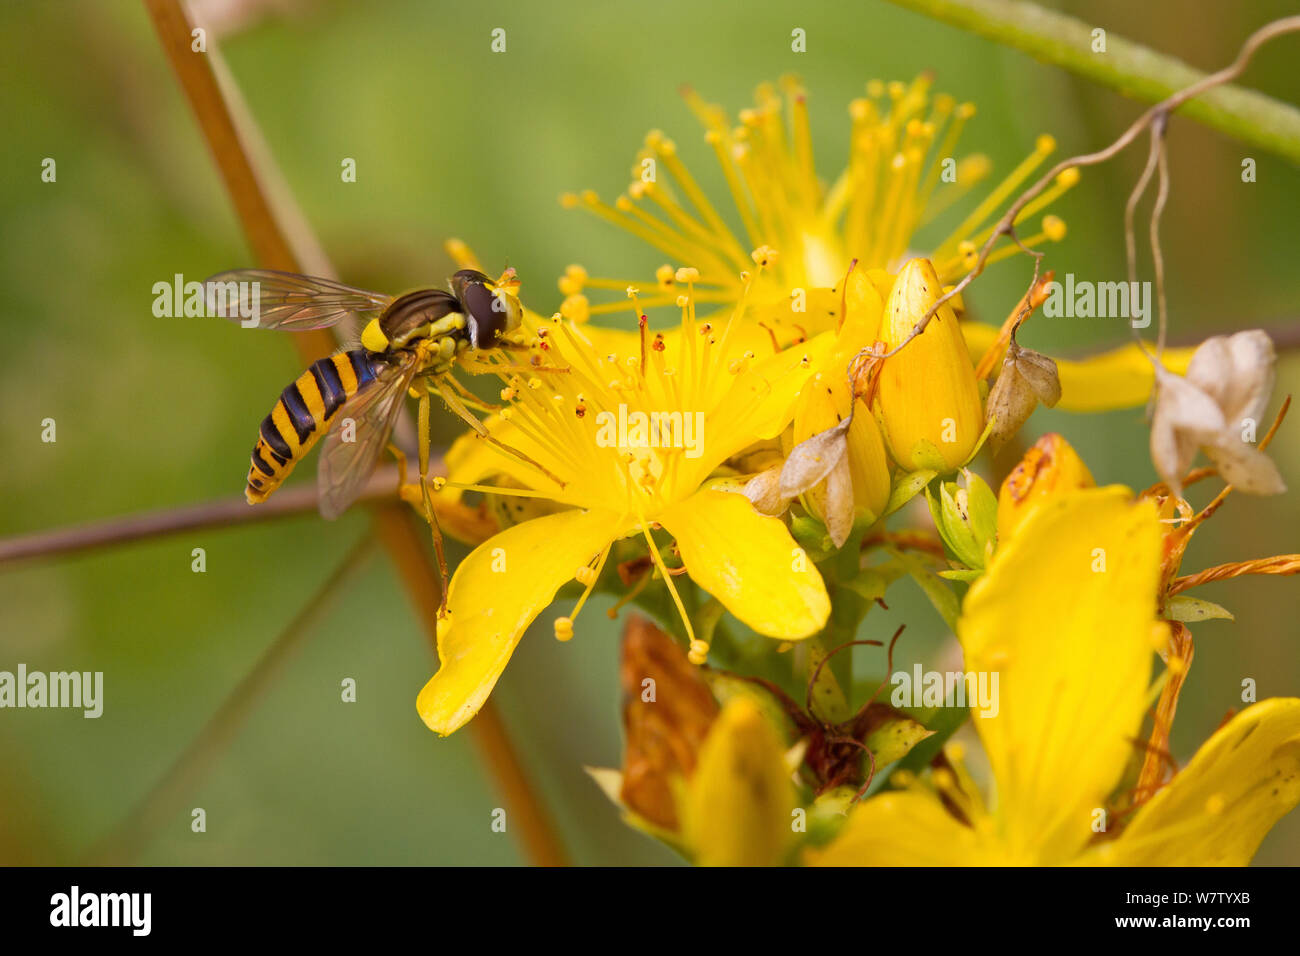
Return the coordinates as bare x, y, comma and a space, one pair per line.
416, 335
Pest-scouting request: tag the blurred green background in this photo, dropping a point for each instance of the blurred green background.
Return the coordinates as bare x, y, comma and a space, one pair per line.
451, 139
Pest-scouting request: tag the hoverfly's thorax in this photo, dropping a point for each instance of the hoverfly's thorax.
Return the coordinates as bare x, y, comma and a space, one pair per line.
489, 311
412, 316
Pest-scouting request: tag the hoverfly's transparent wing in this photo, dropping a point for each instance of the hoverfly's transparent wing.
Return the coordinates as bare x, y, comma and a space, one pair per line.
286, 300
345, 466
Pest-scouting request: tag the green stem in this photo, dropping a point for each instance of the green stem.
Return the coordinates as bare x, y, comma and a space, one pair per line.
1130, 68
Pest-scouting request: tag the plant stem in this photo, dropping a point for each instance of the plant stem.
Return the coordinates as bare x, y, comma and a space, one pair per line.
1131, 68
224, 513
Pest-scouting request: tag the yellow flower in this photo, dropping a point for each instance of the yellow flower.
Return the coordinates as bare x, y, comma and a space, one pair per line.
626, 446
899, 174
928, 402
1066, 616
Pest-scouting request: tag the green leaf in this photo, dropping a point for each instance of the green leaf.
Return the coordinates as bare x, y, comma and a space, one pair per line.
907, 488
940, 595
1190, 609
943, 722
895, 734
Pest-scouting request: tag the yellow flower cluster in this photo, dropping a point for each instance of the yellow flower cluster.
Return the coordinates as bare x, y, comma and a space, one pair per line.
795, 372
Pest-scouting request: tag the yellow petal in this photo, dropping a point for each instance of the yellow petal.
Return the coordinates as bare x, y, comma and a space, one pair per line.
1052, 467
1064, 617
1119, 378
750, 563
471, 459
928, 400
760, 400
739, 801
745, 336
1220, 806
901, 828
863, 310
495, 594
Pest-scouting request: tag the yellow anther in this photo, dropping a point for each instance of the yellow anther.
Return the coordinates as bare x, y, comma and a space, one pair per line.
903, 778
623, 204
438, 482
764, 256
585, 575
1054, 228
944, 780
1068, 177
974, 168
506, 414
576, 307
534, 383
569, 200
633, 292
665, 275
683, 301
699, 653
966, 111
1045, 144
875, 89
508, 394
563, 628
688, 274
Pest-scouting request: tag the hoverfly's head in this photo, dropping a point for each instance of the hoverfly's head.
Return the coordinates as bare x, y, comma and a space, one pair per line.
491, 308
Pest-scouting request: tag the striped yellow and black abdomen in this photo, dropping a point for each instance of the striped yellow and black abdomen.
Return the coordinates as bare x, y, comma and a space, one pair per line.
302, 415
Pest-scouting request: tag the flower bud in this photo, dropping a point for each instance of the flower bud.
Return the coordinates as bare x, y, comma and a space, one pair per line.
967, 518
856, 486
1050, 468
928, 401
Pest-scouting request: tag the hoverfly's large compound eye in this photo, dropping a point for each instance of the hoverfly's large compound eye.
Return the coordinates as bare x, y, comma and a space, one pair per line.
489, 312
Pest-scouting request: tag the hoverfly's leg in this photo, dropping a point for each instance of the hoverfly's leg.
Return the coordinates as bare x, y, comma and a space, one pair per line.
455, 405
470, 399
423, 429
